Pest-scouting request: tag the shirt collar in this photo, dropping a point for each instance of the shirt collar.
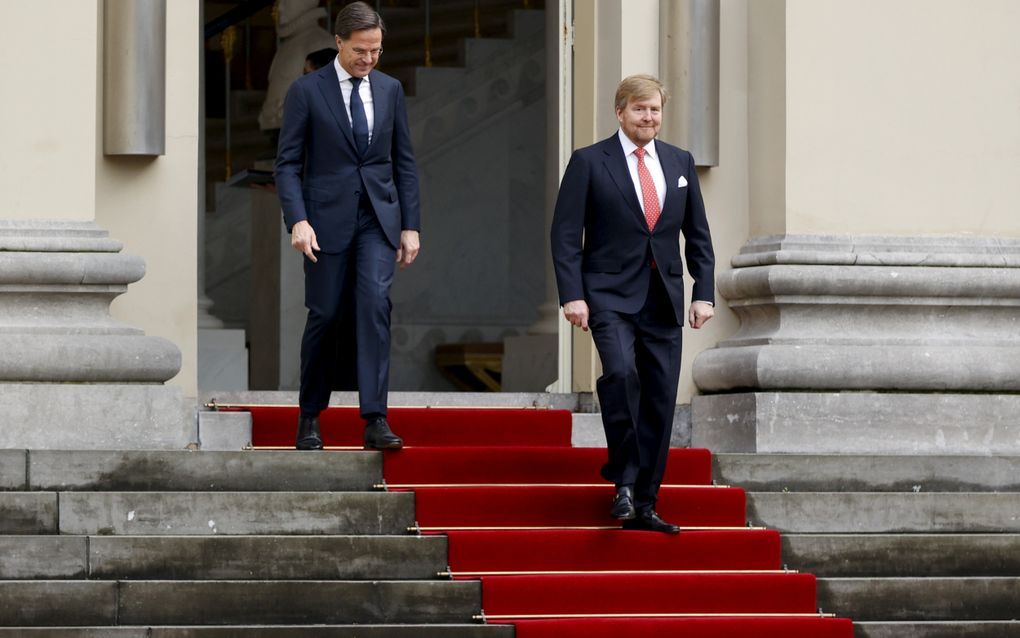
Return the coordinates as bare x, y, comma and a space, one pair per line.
629, 146
342, 74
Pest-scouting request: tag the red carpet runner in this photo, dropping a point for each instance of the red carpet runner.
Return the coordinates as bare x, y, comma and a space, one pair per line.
528, 516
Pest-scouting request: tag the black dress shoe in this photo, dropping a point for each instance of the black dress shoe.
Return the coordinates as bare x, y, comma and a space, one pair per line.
623, 504
308, 433
379, 436
649, 521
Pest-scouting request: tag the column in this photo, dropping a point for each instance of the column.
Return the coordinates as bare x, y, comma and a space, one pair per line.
879, 294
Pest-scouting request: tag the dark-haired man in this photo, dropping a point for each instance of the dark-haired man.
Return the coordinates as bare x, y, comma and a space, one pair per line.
348, 187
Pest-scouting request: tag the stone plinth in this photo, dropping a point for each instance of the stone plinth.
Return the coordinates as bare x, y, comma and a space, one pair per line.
857, 423
71, 375
938, 318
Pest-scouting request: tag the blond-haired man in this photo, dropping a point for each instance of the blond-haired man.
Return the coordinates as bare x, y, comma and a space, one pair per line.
622, 206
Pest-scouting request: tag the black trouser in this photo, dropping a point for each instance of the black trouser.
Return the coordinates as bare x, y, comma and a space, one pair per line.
373, 260
640, 356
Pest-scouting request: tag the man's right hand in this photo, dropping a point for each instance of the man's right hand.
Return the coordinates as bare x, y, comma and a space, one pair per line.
302, 238
576, 313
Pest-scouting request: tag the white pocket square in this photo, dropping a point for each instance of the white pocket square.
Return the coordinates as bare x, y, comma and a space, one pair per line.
680, 183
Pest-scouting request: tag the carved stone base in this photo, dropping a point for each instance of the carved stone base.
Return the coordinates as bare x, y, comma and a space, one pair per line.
833, 313
867, 344
71, 376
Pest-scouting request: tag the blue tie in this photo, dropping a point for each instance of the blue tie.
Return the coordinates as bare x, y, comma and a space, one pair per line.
359, 121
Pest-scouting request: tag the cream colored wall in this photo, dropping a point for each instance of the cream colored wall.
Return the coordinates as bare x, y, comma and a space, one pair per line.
902, 117
766, 88
151, 205
48, 109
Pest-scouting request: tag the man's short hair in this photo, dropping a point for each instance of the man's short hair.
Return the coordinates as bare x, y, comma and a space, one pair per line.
357, 16
639, 87
321, 58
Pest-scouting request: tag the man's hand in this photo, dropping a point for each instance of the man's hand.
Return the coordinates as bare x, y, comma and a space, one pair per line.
302, 238
576, 313
700, 313
408, 250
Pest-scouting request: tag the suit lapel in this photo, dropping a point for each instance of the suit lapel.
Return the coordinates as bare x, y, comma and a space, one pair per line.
616, 164
671, 171
329, 86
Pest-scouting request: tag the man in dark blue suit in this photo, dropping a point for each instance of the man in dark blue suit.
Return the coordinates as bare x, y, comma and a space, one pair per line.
622, 206
348, 186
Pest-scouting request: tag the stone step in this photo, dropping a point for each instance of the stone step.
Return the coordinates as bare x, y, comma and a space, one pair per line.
58, 603
943, 629
181, 471
91, 603
878, 512
903, 555
28, 513
234, 513
924, 599
862, 473
43, 557
13, 469
574, 401
222, 557
268, 631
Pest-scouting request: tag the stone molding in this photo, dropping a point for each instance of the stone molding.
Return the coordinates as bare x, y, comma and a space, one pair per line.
831, 313
857, 423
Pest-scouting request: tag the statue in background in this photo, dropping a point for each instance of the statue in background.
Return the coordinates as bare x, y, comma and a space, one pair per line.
300, 33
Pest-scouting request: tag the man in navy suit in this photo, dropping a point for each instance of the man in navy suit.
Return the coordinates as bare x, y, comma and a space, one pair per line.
348, 186
622, 206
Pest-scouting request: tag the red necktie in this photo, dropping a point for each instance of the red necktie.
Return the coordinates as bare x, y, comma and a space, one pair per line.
648, 194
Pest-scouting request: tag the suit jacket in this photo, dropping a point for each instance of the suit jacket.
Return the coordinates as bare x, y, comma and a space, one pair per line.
601, 244
319, 174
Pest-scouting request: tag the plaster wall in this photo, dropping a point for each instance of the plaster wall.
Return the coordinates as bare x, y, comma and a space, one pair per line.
49, 109
902, 117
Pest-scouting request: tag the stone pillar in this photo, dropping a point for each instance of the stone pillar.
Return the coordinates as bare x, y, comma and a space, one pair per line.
879, 293
71, 377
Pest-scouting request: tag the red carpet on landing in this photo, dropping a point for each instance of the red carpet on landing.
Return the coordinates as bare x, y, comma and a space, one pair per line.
527, 515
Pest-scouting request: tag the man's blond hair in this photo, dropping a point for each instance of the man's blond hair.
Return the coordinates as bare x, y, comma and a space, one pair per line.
639, 87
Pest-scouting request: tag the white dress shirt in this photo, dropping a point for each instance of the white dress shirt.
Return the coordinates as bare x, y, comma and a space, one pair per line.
651, 163
364, 90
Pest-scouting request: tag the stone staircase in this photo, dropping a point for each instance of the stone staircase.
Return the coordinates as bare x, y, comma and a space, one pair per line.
453, 30
495, 77
195, 544
908, 547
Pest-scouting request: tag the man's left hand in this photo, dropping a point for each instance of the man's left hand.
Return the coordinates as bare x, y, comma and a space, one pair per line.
700, 313
408, 250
